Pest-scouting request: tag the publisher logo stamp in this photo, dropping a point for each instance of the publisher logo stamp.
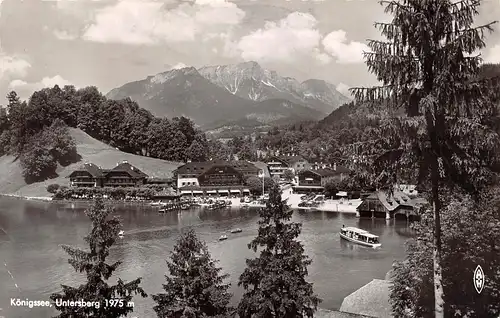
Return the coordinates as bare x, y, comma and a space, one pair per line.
479, 279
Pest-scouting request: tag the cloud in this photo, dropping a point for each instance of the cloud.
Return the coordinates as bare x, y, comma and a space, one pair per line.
321, 57
11, 66
336, 44
178, 66
343, 89
150, 22
493, 55
64, 35
295, 35
25, 89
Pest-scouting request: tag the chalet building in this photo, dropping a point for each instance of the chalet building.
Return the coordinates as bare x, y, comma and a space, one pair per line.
123, 175
246, 168
215, 177
314, 180
279, 164
187, 175
381, 204
88, 175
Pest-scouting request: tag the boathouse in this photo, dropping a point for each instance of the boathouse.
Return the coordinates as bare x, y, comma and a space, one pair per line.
382, 204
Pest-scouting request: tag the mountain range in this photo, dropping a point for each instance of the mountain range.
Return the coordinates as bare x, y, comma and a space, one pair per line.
228, 97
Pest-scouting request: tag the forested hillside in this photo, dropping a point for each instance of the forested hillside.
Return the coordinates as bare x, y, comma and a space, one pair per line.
36, 133
349, 126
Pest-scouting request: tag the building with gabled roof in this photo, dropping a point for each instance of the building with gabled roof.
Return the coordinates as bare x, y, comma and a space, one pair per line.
279, 164
215, 177
123, 175
314, 180
388, 205
87, 175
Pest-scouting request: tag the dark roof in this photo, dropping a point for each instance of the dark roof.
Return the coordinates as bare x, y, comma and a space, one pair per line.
130, 169
290, 159
325, 172
194, 167
321, 172
394, 201
262, 166
91, 168
154, 179
341, 169
244, 165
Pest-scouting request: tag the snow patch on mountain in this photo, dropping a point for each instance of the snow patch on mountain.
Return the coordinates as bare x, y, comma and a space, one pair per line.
249, 80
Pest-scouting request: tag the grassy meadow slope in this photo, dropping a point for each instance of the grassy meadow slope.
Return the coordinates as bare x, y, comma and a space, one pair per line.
91, 150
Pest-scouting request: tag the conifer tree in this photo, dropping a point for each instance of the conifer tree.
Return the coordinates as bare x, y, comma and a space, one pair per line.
275, 282
437, 114
195, 287
113, 300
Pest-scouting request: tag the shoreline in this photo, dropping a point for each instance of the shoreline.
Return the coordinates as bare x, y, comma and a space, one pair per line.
22, 197
293, 201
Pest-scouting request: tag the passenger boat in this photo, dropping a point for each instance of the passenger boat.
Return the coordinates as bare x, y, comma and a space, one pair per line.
223, 237
238, 230
359, 236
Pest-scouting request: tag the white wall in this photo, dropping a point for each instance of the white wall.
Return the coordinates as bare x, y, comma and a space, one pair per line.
192, 182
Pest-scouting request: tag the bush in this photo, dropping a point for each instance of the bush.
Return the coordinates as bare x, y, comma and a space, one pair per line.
52, 188
37, 163
143, 193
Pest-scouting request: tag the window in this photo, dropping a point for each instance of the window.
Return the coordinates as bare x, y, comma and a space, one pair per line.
184, 183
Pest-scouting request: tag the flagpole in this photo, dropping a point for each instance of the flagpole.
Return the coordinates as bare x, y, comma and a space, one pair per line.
262, 183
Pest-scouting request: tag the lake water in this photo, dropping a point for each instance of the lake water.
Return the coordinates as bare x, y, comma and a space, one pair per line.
31, 234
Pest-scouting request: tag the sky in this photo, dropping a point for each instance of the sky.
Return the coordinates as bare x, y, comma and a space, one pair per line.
107, 43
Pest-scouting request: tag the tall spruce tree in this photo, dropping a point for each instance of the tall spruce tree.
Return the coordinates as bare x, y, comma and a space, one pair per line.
102, 236
195, 287
437, 114
275, 282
